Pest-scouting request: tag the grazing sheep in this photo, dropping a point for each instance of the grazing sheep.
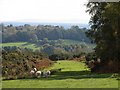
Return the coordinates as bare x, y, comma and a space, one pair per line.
45, 74
38, 73
48, 72
32, 72
35, 69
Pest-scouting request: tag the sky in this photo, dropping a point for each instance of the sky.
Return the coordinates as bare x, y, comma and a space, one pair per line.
60, 11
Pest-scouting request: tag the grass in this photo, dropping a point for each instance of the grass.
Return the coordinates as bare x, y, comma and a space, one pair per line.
73, 75
21, 44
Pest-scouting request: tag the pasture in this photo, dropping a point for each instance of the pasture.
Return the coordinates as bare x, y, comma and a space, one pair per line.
21, 44
73, 75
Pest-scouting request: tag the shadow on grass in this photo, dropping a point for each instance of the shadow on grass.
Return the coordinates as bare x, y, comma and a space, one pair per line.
79, 75
72, 75
76, 75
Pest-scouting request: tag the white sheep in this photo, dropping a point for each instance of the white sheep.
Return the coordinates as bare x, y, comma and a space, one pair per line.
48, 72
35, 69
38, 73
32, 72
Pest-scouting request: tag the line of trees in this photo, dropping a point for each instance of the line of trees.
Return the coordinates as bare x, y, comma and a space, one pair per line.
28, 33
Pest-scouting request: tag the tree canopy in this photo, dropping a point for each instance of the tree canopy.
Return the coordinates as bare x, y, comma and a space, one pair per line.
105, 30
29, 33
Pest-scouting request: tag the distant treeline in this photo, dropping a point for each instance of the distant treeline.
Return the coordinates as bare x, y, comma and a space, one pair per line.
28, 33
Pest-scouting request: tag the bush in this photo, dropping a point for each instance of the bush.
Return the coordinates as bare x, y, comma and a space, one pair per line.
17, 64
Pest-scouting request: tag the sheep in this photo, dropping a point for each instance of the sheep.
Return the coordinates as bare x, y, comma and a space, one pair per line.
35, 69
48, 72
32, 72
38, 73
45, 74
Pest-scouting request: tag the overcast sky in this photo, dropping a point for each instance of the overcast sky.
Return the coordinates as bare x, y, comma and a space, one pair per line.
63, 11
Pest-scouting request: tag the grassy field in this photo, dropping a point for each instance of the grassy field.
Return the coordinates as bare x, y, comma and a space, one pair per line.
73, 75
20, 44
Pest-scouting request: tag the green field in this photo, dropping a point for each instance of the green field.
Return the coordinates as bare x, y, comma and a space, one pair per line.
73, 75
21, 44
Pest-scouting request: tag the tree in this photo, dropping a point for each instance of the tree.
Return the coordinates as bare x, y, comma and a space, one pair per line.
105, 31
34, 38
45, 40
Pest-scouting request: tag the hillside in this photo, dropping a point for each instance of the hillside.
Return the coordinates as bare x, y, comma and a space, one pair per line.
53, 45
